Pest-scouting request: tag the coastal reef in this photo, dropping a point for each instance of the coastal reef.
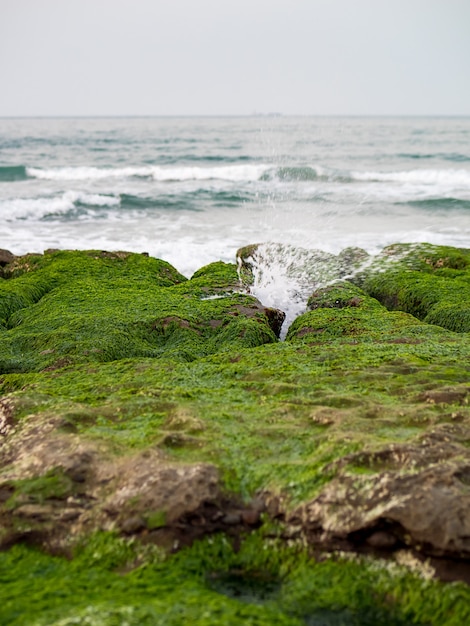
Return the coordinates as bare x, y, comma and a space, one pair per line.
167, 459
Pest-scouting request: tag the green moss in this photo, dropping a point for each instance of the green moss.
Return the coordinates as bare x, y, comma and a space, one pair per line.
130, 354
262, 583
54, 484
91, 306
217, 277
430, 282
270, 417
345, 311
341, 295
155, 519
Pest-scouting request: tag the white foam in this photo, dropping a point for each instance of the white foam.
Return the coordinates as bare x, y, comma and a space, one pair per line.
226, 172
452, 177
274, 289
22, 208
285, 276
76, 173
93, 199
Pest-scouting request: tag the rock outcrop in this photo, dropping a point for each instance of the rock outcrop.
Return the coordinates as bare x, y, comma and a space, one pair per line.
142, 410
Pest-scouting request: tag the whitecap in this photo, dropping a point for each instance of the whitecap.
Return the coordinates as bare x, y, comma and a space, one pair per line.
426, 176
37, 208
184, 173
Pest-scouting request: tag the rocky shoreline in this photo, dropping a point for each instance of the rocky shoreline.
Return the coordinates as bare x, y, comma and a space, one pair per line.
150, 412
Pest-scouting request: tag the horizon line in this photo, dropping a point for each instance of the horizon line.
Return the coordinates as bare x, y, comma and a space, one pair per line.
234, 115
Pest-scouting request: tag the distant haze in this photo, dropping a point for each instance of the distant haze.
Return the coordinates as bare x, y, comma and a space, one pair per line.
211, 57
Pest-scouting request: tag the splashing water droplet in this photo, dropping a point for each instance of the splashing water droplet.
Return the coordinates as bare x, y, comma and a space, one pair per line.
283, 276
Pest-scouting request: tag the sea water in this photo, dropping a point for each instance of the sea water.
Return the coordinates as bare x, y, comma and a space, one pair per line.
192, 190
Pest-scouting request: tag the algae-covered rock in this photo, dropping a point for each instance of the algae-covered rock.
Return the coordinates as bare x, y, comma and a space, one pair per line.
192, 468
67, 307
401, 506
430, 282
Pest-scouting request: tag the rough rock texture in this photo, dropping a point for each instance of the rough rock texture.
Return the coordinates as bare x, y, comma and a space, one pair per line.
427, 511
6, 257
56, 486
143, 410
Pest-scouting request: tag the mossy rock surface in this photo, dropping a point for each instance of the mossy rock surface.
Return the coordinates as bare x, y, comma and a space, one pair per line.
185, 466
68, 307
430, 282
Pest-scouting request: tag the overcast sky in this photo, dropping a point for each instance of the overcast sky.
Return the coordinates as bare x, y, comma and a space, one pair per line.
172, 57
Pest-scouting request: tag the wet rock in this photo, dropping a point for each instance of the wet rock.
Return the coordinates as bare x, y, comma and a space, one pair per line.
251, 517
447, 395
232, 519
6, 416
78, 466
39, 512
275, 317
6, 257
38, 446
64, 485
428, 510
382, 540
132, 525
180, 440
145, 484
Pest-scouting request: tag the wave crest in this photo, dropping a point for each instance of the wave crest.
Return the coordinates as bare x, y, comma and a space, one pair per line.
42, 207
305, 173
425, 176
155, 172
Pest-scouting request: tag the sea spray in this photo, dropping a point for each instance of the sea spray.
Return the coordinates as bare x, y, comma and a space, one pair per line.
284, 277
190, 189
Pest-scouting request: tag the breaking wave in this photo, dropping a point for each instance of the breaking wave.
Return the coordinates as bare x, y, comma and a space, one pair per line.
73, 203
284, 276
454, 177
38, 208
240, 172
426, 176
154, 172
305, 173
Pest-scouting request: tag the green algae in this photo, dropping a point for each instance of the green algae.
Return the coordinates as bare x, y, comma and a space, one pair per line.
430, 282
90, 306
131, 354
262, 582
264, 425
359, 314
54, 484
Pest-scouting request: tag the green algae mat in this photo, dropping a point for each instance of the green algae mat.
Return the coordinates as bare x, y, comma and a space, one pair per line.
166, 459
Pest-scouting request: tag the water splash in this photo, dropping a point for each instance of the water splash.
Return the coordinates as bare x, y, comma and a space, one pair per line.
284, 277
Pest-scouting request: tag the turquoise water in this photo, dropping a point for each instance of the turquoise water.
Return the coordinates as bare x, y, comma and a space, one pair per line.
193, 190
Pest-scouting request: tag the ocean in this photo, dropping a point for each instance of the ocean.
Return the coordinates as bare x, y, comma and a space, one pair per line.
192, 190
